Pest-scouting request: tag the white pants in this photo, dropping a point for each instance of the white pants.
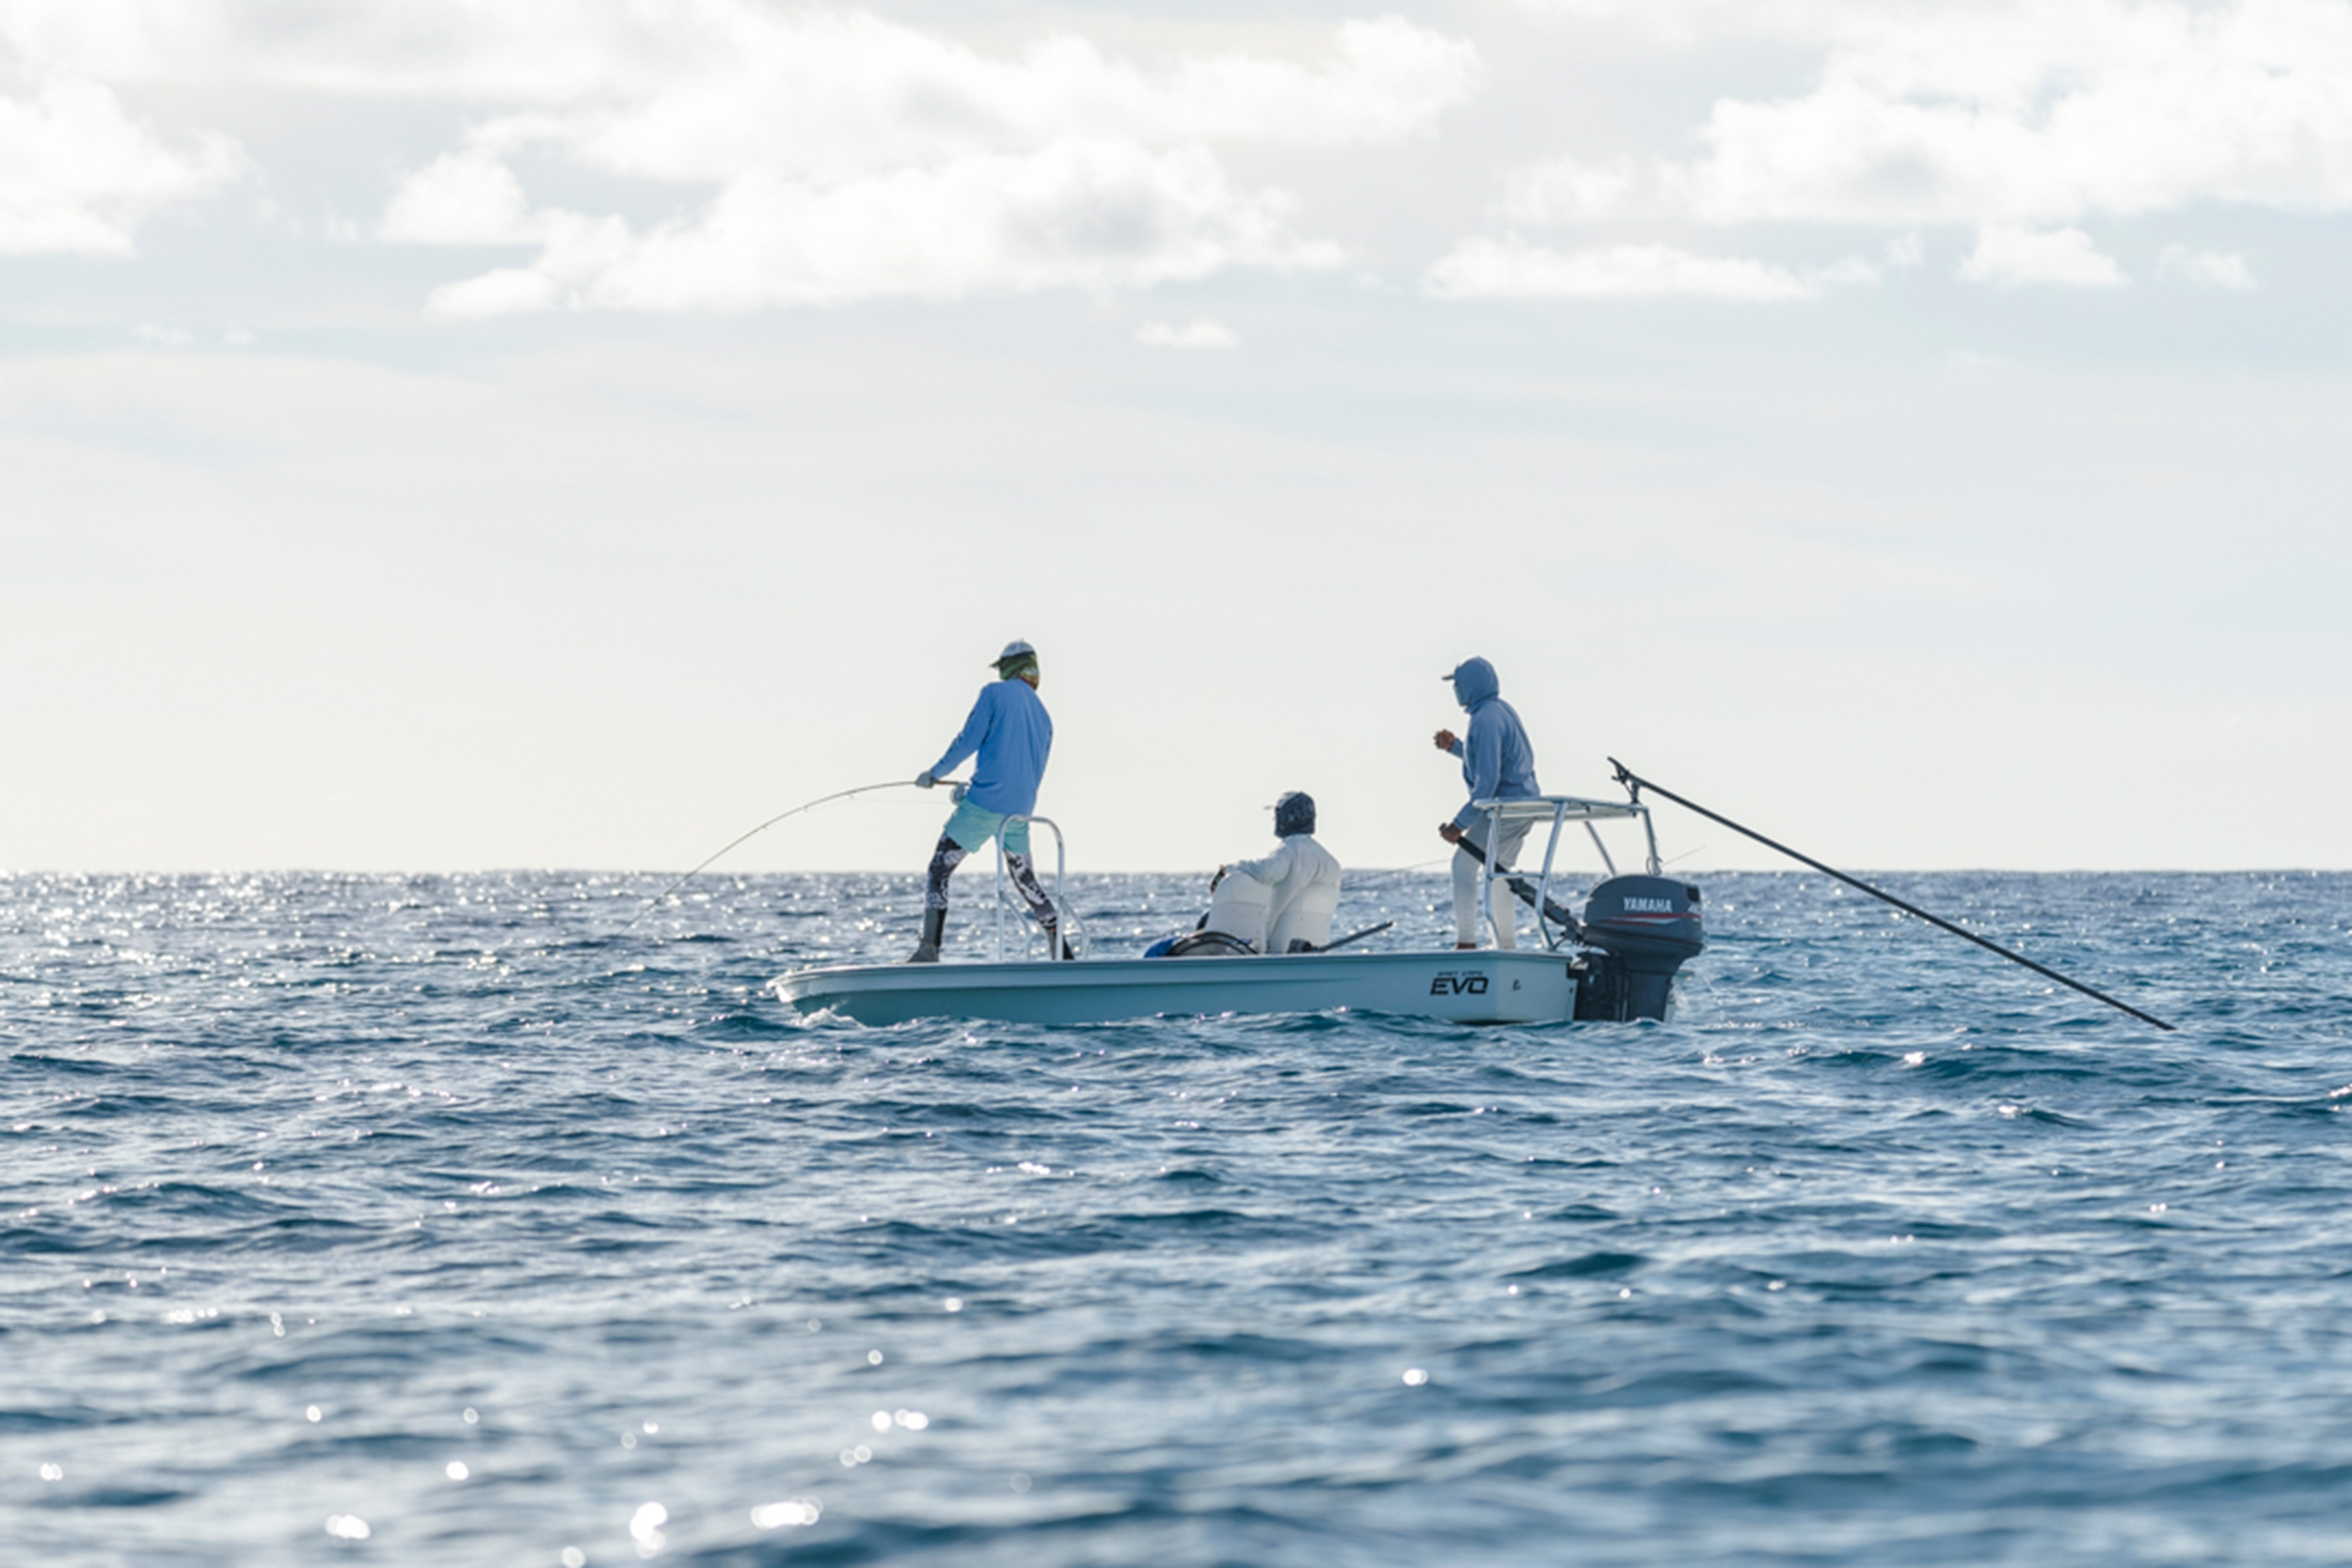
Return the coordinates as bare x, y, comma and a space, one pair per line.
1506, 903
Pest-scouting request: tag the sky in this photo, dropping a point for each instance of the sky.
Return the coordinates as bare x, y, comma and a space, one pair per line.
447, 434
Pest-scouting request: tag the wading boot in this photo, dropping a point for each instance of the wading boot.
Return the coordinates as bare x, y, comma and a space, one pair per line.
934, 928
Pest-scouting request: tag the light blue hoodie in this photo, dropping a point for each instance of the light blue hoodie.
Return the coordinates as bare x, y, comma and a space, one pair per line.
1498, 762
1012, 732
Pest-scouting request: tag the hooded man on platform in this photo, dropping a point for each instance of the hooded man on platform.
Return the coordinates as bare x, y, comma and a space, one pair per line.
1498, 764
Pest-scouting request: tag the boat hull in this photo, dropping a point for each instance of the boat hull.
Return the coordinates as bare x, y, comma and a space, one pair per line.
1484, 987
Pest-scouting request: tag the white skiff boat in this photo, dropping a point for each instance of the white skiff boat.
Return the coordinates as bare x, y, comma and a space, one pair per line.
1616, 960
1484, 987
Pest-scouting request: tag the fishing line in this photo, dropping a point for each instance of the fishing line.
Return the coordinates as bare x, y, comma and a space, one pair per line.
1400, 870
811, 805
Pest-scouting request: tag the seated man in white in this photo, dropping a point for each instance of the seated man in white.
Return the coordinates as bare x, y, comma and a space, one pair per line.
1285, 901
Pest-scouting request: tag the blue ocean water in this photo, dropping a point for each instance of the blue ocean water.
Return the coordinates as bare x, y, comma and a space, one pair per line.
447, 1220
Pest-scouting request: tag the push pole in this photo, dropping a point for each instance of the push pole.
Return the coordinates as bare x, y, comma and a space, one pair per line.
1636, 784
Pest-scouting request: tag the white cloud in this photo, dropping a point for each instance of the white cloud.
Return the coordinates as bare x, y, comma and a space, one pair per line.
831, 93
1570, 190
2012, 257
508, 291
854, 158
1995, 114
2212, 269
465, 197
1202, 333
1087, 215
1687, 22
1514, 269
78, 175
684, 88
825, 154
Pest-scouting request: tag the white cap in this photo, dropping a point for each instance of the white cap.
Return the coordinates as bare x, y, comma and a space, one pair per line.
1014, 649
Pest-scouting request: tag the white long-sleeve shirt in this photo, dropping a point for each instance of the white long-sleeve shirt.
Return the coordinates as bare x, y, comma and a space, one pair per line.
1302, 882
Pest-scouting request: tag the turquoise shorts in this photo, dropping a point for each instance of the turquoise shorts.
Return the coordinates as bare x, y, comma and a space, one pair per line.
973, 826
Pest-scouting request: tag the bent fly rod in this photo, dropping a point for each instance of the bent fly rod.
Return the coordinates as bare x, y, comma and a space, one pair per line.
1636, 784
806, 805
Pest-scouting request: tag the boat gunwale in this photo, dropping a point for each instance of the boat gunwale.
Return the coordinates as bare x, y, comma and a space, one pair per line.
921, 976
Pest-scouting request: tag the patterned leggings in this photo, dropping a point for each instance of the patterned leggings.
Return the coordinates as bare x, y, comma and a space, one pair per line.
950, 854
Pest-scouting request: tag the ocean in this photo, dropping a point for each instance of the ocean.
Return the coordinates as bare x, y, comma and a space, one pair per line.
449, 1220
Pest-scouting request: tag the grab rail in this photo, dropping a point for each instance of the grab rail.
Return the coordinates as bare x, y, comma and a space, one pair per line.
1064, 925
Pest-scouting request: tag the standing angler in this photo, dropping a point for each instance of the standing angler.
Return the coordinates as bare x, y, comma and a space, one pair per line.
1498, 764
1012, 732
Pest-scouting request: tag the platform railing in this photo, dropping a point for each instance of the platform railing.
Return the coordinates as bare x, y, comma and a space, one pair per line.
1066, 929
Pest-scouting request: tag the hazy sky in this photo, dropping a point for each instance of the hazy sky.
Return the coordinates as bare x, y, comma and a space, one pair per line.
562, 433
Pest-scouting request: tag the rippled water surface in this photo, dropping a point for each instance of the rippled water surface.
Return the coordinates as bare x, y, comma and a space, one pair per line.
444, 1220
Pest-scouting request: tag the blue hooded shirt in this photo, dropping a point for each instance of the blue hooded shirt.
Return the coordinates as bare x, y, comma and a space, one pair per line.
1012, 732
1497, 762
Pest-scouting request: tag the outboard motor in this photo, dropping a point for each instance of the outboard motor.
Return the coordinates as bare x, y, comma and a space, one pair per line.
1640, 930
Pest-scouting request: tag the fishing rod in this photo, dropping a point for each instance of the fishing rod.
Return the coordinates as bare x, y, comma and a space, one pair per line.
811, 805
1552, 911
1636, 784
1355, 936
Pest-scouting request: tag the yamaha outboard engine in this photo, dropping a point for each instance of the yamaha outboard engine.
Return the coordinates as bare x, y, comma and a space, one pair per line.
1640, 930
